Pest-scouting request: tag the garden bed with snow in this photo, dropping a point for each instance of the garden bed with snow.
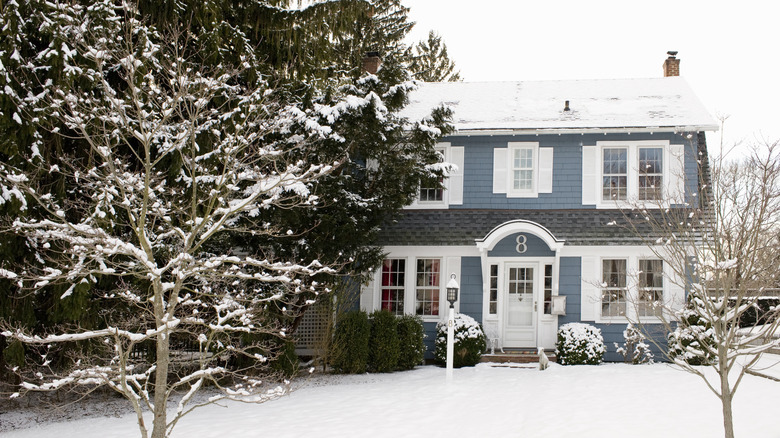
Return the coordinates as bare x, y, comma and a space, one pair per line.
610, 400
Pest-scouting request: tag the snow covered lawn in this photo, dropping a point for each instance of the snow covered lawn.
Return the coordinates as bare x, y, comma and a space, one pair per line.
611, 400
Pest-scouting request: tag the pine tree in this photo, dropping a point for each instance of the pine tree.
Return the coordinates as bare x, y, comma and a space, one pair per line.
429, 61
320, 115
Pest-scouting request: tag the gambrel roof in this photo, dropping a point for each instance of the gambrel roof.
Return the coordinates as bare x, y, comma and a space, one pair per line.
625, 105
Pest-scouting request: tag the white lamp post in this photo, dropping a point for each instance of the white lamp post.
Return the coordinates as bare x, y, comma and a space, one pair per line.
452, 296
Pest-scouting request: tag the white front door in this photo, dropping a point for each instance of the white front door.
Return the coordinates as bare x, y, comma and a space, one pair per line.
520, 296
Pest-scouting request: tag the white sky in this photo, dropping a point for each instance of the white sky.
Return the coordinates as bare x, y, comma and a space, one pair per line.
727, 50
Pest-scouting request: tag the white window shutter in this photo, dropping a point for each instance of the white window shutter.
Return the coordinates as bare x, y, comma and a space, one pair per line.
500, 169
590, 175
455, 187
674, 292
590, 297
367, 293
675, 175
545, 170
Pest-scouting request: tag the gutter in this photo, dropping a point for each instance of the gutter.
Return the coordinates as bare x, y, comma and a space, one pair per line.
583, 131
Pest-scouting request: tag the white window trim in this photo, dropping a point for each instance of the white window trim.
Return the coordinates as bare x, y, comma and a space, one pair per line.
442, 309
511, 192
632, 290
633, 173
444, 149
449, 259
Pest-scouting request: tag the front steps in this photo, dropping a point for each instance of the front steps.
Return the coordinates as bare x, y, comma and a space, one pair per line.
516, 356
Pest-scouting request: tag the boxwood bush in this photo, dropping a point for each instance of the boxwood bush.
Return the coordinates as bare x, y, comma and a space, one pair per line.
470, 342
579, 344
349, 350
410, 338
383, 345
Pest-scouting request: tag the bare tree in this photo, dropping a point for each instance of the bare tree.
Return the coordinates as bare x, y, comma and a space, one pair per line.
720, 245
178, 159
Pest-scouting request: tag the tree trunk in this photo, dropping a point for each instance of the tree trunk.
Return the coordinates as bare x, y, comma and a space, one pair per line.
161, 387
161, 372
725, 393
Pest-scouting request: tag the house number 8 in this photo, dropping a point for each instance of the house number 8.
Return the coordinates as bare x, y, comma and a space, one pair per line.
521, 244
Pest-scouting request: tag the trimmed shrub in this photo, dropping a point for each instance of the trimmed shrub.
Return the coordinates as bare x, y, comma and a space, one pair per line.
410, 339
286, 362
635, 350
691, 340
349, 350
383, 346
469, 342
579, 344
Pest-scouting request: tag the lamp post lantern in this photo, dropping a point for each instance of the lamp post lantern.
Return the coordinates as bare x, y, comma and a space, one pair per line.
452, 296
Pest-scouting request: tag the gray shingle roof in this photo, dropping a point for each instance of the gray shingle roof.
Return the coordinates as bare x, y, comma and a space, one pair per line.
464, 226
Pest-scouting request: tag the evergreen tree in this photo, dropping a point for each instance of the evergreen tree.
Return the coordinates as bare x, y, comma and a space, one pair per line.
300, 50
429, 61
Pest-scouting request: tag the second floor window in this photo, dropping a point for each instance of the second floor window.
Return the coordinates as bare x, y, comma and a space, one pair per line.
650, 173
523, 169
615, 174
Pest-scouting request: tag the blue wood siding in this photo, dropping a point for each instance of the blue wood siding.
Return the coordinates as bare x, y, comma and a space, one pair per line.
471, 287
535, 247
567, 167
570, 285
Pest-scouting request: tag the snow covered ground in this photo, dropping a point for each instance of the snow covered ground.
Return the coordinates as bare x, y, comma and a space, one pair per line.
611, 400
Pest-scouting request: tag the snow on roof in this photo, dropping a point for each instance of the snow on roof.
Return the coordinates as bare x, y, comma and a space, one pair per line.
622, 104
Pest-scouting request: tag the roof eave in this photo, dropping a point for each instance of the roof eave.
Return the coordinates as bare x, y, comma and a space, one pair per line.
583, 131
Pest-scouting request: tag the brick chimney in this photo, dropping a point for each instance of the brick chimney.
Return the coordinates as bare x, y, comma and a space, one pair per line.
671, 65
372, 62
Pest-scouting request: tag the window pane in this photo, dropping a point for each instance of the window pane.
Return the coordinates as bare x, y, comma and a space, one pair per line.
613, 293
615, 174
650, 287
392, 298
650, 173
427, 287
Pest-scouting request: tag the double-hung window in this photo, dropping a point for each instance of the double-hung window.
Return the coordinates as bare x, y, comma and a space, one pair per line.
651, 287
428, 287
522, 172
393, 282
613, 288
432, 189
622, 173
614, 185
651, 161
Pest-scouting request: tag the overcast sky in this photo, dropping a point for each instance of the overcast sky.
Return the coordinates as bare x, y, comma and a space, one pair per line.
728, 51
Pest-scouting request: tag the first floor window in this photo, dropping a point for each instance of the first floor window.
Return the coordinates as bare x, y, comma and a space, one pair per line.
651, 287
427, 288
493, 299
615, 174
393, 281
548, 280
613, 288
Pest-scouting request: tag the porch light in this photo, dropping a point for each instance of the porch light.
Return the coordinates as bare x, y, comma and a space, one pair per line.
452, 291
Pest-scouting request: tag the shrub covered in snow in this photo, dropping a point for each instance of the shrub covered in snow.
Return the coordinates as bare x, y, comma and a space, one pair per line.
692, 340
579, 344
635, 350
383, 345
410, 338
349, 349
470, 342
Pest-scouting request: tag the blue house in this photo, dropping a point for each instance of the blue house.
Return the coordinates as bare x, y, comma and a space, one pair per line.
527, 222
